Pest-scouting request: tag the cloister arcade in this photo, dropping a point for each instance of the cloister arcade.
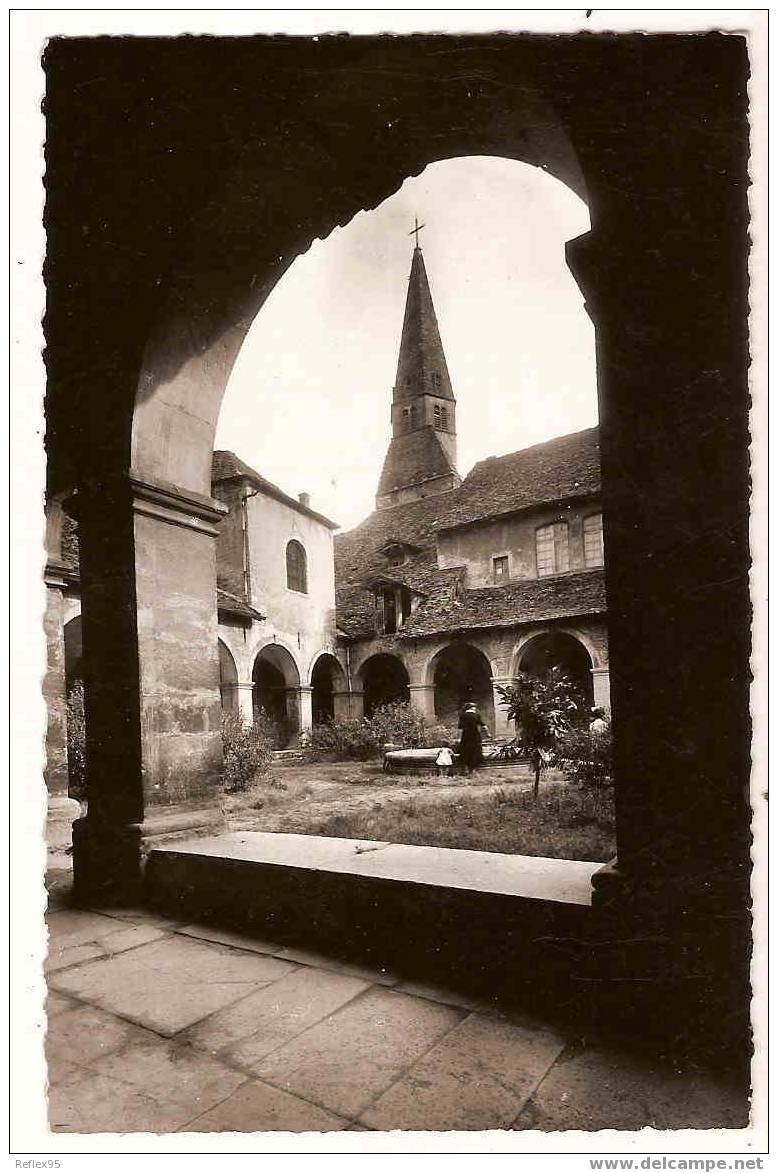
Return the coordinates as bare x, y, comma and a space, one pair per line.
190, 251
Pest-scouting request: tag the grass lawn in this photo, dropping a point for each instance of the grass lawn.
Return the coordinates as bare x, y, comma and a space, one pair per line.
492, 811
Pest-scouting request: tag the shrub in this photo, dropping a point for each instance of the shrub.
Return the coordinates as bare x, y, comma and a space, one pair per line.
248, 751
359, 740
585, 756
76, 740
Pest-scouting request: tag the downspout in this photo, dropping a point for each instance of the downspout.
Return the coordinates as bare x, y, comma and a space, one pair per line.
245, 532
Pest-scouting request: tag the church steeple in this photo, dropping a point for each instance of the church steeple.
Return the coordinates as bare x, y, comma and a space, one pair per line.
422, 454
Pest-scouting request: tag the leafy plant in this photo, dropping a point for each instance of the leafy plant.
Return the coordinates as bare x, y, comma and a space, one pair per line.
585, 756
396, 723
76, 741
545, 710
248, 751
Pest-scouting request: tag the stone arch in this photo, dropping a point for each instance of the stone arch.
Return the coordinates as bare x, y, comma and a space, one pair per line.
327, 677
383, 679
228, 679
461, 672
557, 648
592, 650
276, 694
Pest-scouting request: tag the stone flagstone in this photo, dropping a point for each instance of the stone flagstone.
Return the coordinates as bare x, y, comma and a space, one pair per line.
276, 1014
257, 1107
169, 984
352, 1056
476, 1078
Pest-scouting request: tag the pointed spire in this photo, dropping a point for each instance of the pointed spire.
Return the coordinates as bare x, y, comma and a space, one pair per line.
421, 368
422, 454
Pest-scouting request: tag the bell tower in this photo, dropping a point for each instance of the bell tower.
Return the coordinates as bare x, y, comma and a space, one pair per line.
421, 460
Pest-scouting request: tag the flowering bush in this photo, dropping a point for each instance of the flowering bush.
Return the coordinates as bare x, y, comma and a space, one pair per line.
247, 752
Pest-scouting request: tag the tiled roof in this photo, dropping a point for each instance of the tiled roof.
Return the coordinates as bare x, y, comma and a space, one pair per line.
232, 604
421, 366
568, 466
530, 601
227, 466
413, 458
559, 469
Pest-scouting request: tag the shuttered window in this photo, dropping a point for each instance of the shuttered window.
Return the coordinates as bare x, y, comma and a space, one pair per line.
552, 549
594, 553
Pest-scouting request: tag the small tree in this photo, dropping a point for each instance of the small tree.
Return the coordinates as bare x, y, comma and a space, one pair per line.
586, 756
248, 751
545, 710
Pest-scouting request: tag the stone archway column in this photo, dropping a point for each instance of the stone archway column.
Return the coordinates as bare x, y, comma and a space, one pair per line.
423, 699
601, 684
502, 726
349, 706
151, 666
304, 700
245, 695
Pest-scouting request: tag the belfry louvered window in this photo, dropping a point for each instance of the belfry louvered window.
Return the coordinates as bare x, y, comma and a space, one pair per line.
440, 417
552, 549
296, 567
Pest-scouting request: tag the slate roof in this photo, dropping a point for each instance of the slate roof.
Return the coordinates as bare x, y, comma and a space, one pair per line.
529, 601
568, 466
226, 466
421, 365
560, 469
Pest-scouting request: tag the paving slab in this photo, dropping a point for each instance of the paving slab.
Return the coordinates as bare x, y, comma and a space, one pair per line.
74, 926
351, 1057
63, 957
130, 937
58, 1004
85, 1034
187, 1081
477, 1077
169, 984
258, 1107
99, 1104
234, 940
270, 1017
596, 1089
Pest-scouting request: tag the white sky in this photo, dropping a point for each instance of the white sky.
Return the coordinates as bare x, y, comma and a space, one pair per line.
308, 401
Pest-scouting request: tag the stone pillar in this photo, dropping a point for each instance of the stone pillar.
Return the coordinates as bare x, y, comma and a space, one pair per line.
245, 699
62, 810
502, 726
602, 688
349, 706
423, 699
305, 707
152, 704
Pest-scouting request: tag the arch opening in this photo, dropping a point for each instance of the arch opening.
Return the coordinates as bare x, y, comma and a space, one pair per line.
385, 681
558, 649
275, 695
461, 673
326, 679
228, 679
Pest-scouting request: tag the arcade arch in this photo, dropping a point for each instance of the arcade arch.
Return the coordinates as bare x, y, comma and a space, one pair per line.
461, 673
557, 649
276, 689
384, 680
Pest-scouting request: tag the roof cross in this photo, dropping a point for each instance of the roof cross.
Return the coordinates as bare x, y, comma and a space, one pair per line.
416, 230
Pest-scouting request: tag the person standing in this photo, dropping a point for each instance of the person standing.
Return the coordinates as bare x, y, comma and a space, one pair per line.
470, 746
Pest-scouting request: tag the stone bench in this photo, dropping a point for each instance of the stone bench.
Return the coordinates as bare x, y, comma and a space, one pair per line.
514, 926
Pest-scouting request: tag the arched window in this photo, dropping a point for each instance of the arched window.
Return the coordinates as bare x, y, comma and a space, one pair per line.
296, 568
552, 549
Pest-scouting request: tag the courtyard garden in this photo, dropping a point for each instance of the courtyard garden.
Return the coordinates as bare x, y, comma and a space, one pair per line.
552, 797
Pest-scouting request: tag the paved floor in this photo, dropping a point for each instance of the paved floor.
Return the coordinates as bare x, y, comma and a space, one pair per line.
161, 1027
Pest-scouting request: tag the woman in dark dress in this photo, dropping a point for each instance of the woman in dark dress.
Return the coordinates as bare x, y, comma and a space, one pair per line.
470, 749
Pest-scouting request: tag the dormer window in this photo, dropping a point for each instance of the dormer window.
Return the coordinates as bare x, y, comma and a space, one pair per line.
393, 605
